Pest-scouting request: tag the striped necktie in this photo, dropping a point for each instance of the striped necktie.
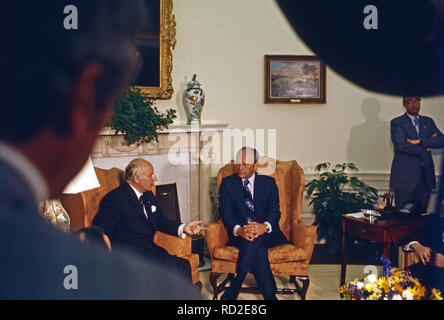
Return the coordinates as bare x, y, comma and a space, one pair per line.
248, 201
415, 120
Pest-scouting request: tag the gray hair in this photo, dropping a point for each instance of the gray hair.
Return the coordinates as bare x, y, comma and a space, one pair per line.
249, 149
133, 169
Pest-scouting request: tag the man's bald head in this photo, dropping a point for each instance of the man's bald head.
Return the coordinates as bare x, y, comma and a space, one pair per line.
140, 174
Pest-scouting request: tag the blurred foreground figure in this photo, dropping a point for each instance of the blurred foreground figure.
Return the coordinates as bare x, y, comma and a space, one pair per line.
383, 46
57, 90
95, 236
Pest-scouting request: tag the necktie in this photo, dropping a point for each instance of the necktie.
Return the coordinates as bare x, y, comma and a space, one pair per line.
143, 206
248, 201
416, 125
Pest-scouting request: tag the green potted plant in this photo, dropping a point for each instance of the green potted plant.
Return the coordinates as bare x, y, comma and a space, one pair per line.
137, 117
334, 193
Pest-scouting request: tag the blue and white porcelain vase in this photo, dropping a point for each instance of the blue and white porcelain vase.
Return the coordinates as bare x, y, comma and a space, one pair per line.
193, 101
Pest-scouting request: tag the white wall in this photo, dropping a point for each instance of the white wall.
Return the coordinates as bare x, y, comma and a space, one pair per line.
224, 43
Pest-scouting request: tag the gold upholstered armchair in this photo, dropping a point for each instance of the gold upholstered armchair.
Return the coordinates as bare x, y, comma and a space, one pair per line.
288, 259
82, 208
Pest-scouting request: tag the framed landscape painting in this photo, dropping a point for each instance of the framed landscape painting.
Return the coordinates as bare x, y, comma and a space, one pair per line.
294, 79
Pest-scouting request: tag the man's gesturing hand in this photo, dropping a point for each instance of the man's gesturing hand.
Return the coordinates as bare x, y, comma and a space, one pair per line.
439, 260
424, 253
193, 227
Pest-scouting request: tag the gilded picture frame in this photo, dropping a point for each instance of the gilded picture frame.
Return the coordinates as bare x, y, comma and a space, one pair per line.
294, 79
155, 45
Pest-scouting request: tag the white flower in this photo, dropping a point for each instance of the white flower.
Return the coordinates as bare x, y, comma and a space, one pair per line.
360, 284
378, 293
397, 297
372, 278
407, 295
153, 208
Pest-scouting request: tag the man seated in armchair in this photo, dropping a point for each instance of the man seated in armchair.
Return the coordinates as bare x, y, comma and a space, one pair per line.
130, 216
249, 208
429, 247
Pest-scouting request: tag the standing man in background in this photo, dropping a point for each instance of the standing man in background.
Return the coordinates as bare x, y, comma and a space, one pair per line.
412, 174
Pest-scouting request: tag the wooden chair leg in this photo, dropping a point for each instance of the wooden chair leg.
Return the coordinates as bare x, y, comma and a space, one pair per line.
305, 283
213, 282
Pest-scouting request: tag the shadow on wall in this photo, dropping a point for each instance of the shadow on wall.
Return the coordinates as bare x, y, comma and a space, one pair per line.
369, 146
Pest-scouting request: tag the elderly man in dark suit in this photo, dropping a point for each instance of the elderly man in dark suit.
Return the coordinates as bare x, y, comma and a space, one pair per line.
130, 216
429, 247
249, 207
413, 173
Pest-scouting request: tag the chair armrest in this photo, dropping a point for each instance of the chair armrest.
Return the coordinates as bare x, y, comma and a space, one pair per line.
304, 236
216, 236
172, 244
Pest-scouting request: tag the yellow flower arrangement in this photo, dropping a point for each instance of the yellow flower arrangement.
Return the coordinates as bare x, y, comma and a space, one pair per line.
399, 285
436, 295
384, 284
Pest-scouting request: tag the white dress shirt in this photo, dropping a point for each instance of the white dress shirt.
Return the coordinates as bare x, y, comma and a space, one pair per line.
250, 186
408, 246
180, 232
32, 176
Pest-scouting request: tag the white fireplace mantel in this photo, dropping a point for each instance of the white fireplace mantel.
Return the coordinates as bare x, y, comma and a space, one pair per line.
191, 175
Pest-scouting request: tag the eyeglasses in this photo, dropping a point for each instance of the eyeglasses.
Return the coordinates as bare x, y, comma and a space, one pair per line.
412, 100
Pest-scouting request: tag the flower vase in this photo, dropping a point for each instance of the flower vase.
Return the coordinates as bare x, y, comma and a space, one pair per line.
193, 100
53, 212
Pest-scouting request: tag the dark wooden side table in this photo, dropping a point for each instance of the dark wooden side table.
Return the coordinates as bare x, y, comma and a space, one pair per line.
392, 229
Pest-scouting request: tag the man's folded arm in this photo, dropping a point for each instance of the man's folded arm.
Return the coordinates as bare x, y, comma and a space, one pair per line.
401, 145
434, 143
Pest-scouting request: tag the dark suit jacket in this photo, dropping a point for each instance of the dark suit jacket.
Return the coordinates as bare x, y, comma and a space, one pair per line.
122, 218
431, 236
435, 142
266, 201
409, 159
33, 255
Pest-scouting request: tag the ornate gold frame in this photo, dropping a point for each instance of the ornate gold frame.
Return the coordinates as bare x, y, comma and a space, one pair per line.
269, 98
167, 44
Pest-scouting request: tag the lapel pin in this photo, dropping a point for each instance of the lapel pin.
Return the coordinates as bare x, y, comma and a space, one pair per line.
153, 208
